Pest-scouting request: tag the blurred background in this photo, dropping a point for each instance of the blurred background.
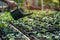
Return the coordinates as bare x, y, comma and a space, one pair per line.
36, 4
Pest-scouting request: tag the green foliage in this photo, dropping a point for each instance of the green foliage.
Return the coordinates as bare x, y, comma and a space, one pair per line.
39, 19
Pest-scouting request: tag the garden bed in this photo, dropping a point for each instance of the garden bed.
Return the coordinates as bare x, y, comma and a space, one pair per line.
41, 25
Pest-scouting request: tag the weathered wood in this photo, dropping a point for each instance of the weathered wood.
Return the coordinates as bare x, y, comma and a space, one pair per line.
20, 31
26, 34
4, 7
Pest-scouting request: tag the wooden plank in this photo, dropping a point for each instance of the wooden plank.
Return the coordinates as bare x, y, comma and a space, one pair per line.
20, 29
4, 7
11, 25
